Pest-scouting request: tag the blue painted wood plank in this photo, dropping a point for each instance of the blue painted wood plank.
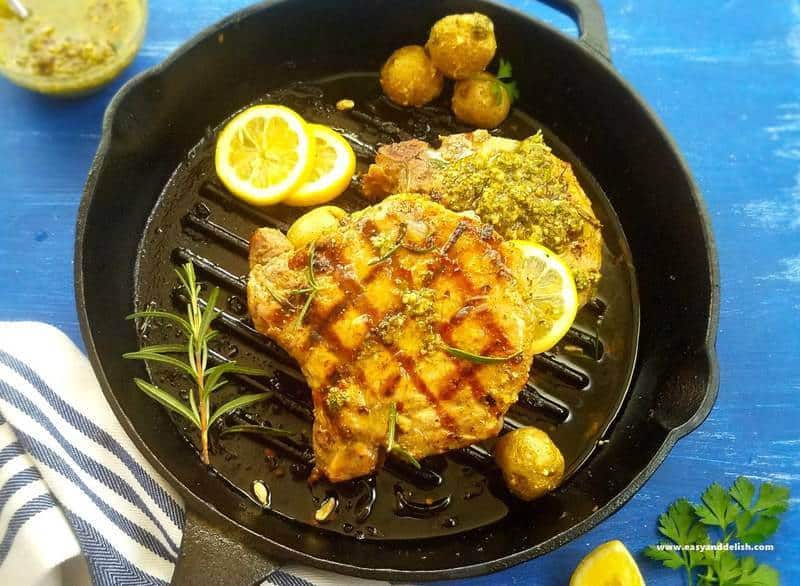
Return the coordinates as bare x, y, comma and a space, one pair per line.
725, 78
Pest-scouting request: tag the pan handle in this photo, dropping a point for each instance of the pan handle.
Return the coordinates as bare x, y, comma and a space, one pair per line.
591, 23
211, 558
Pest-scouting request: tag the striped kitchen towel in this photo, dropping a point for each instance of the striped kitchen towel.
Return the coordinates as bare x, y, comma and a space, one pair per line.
78, 502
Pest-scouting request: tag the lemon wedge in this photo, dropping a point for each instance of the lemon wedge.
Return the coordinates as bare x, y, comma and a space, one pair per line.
550, 290
332, 170
610, 564
264, 154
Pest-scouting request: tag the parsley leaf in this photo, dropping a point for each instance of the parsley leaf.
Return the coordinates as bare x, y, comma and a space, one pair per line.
755, 531
773, 500
742, 514
758, 520
670, 559
680, 525
726, 567
754, 574
504, 81
743, 492
504, 70
718, 509
513, 90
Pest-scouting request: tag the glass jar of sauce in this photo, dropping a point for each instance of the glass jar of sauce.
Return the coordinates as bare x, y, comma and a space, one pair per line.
70, 47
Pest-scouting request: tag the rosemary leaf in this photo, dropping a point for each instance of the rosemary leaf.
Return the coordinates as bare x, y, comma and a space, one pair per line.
217, 385
237, 403
302, 315
386, 255
144, 354
190, 353
391, 446
401, 234
151, 313
279, 299
165, 348
477, 358
167, 400
214, 373
391, 428
312, 280
193, 405
256, 429
404, 455
187, 272
209, 314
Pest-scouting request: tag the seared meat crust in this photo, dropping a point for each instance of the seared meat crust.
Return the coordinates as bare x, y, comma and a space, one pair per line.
393, 286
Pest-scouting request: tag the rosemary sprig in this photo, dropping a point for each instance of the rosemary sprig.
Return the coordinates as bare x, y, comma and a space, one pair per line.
478, 358
401, 234
197, 327
313, 286
391, 446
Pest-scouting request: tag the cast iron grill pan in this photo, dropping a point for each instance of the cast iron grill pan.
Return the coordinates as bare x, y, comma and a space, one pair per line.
571, 88
573, 392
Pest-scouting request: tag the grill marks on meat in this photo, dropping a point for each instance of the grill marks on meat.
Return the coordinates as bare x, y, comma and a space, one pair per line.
375, 332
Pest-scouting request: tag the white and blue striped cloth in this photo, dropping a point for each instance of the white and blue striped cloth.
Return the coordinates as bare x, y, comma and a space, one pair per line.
78, 502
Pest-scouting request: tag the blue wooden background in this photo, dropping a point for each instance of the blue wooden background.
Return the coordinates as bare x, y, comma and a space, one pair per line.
724, 75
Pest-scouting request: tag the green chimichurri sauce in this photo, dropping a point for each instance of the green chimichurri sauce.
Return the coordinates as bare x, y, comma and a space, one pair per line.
522, 193
70, 46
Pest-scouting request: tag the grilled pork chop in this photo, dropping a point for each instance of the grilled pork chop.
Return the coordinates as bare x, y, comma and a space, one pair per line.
373, 310
519, 187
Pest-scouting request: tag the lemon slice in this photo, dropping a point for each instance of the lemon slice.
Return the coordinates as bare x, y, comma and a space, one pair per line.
551, 294
264, 153
610, 564
334, 165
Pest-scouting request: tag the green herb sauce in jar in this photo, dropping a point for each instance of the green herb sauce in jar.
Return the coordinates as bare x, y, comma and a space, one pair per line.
70, 47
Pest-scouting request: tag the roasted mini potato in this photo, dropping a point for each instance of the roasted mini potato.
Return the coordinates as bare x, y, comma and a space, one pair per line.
482, 101
311, 225
409, 78
461, 45
532, 465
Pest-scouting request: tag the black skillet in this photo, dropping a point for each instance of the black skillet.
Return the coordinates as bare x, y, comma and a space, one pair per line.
637, 373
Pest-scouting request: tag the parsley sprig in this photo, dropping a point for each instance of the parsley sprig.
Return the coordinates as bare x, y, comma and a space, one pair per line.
741, 514
504, 73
